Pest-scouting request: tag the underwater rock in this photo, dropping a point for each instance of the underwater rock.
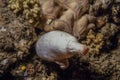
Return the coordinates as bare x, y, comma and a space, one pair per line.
115, 10
99, 7
109, 30
5, 39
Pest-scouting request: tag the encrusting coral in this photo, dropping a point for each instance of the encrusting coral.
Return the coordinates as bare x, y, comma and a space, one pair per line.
115, 10
29, 8
109, 30
30, 70
98, 5
15, 5
94, 41
101, 39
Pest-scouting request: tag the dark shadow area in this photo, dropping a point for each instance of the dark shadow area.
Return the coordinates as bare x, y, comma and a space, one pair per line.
76, 71
7, 76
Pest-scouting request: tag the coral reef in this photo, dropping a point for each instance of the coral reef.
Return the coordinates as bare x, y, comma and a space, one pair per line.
109, 31
16, 37
115, 10
29, 8
101, 39
15, 5
94, 41
23, 21
5, 39
36, 68
106, 64
98, 5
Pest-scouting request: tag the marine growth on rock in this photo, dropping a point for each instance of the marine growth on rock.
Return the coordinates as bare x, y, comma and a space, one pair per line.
29, 8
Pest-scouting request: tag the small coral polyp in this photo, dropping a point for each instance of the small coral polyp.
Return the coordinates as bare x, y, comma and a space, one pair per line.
29, 8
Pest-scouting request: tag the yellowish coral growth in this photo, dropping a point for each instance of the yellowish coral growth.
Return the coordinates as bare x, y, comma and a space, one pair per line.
29, 8
52, 76
15, 5
94, 41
